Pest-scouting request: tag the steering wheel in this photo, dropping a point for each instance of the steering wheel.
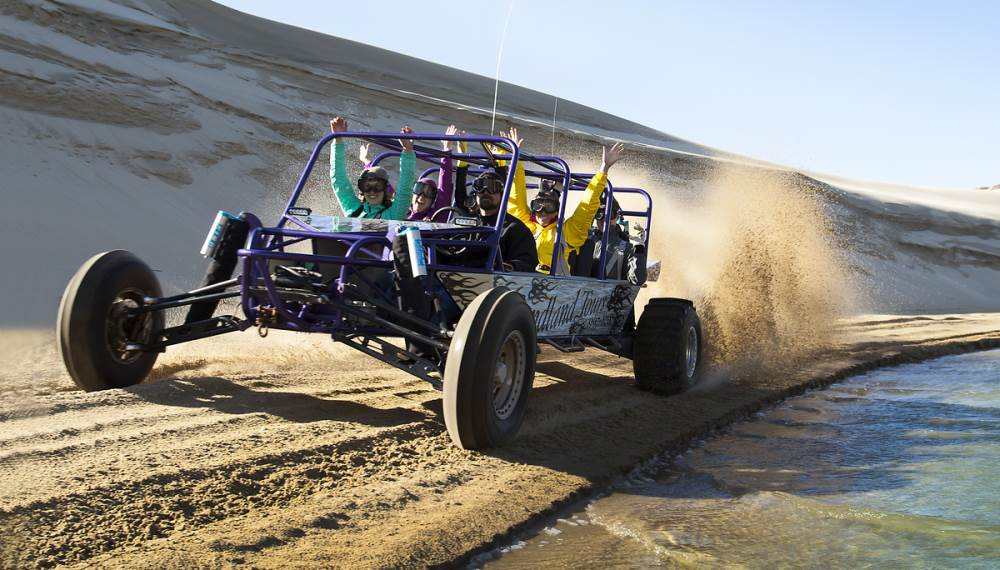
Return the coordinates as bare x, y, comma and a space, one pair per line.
455, 212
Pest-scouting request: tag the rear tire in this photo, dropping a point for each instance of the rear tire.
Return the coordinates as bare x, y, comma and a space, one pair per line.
667, 355
489, 371
93, 329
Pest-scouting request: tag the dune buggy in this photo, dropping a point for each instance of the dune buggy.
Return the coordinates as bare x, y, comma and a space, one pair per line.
316, 272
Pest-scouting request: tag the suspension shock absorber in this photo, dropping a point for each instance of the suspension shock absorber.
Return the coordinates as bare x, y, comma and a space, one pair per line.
227, 236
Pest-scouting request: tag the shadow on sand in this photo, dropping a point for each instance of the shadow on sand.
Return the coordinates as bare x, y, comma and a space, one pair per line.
228, 397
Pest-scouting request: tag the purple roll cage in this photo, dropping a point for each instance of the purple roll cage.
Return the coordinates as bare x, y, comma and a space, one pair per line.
365, 248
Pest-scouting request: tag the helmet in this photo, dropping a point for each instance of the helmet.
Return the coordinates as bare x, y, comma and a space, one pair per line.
547, 199
549, 190
615, 208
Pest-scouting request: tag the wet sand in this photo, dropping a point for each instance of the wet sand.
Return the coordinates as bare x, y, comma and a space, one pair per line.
292, 452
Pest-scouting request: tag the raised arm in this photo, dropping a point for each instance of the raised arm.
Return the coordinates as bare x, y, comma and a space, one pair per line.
404, 189
339, 181
517, 204
446, 186
577, 226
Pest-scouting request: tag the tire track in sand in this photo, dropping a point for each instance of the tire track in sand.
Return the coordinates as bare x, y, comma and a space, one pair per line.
358, 472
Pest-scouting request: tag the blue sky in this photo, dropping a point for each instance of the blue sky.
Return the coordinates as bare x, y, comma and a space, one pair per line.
904, 92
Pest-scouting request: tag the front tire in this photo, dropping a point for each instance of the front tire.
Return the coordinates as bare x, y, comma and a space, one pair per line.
489, 371
94, 324
668, 350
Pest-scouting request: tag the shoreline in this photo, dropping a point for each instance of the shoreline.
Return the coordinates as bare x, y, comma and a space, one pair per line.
573, 504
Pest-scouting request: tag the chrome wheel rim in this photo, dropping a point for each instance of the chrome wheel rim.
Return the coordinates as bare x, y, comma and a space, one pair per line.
691, 352
508, 375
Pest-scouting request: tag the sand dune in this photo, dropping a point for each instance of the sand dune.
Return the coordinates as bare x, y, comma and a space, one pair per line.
129, 124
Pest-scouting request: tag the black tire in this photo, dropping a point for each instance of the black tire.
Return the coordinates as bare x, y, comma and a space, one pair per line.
489, 371
668, 349
92, 332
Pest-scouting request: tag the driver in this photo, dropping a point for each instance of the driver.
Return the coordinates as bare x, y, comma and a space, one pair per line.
517, 246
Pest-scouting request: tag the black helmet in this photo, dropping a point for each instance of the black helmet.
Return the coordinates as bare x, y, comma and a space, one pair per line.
615, 208
549, 190
547, 199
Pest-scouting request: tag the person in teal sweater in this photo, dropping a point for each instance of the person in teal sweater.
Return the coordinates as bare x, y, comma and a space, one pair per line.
372, 198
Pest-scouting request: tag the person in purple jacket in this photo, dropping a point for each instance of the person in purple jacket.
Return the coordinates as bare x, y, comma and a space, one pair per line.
429, 195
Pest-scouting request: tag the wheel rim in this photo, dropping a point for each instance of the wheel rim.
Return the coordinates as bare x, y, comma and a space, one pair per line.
508, 375
691, 352
124, 328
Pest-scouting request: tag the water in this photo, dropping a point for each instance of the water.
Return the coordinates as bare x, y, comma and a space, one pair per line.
898, 468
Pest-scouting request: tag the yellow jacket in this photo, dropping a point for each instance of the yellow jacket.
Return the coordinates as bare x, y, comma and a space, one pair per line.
575, 228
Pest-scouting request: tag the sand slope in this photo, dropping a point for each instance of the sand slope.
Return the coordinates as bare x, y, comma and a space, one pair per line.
245, 451
128, 124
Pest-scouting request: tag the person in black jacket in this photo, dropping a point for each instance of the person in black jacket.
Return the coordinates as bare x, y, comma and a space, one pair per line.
517, 245
625, 259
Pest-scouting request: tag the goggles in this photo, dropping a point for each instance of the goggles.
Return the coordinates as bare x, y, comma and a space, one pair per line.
544, 206
488, 184
424, 189
371, 185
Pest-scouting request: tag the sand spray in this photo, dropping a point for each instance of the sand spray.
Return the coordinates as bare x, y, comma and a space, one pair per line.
758, 256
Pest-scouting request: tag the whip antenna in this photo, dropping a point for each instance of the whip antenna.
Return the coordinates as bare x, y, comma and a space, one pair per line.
554, 109
496, 85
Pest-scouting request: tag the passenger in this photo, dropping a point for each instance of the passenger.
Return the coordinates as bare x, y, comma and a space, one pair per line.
373, 185
429, 195
625, 260
542, 215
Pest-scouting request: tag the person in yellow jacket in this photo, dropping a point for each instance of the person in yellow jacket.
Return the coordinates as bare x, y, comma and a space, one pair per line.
543, 213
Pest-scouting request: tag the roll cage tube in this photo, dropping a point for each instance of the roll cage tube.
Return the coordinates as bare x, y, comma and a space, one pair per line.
554, 164
580, 180
555, 168
390, 141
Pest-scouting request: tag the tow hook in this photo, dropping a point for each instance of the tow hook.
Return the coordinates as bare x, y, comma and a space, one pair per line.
265, 316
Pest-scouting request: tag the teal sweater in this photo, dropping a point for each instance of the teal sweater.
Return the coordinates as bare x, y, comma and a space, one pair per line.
347, 195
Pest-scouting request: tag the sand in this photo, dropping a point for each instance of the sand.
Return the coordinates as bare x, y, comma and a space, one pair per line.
290, 452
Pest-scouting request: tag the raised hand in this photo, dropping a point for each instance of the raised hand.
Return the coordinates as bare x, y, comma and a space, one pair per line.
512, 135
338, 125
451, 131
407, 144
363, 153
610, 156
